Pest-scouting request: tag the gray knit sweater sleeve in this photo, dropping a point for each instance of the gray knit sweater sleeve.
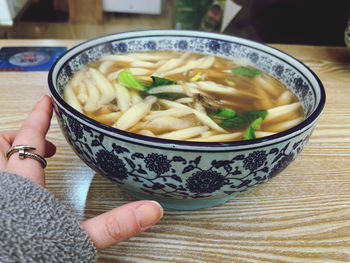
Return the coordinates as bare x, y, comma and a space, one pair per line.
34, 227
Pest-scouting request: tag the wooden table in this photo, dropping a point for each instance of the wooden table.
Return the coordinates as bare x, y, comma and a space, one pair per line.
302, 215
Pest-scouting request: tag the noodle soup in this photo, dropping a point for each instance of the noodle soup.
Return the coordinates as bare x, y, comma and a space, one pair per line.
183, 96
207, 108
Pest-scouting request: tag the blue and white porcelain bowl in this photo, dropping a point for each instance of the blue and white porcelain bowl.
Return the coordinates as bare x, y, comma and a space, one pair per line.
178, 174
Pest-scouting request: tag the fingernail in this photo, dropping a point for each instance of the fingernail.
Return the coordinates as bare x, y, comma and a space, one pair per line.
148, 214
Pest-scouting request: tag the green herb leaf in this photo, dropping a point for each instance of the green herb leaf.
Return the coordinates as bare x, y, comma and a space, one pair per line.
245, 71
243, 119
249, 134
157, 81
223, 113
127, 79
169, 95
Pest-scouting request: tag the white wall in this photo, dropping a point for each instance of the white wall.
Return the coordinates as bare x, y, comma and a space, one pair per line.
9, 10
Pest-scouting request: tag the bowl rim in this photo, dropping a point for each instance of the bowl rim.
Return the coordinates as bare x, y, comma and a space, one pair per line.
179, 144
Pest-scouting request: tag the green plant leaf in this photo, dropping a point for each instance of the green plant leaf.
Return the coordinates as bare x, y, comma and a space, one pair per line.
169, 95
223, 113
249, 134
127, 79
246, 71
157, 81
243, 119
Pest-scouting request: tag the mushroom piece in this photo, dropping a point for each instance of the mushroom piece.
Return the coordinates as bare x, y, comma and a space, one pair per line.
207, 101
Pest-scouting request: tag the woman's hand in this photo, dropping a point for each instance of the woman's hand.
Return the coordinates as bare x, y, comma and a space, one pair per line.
104, 230
32, 133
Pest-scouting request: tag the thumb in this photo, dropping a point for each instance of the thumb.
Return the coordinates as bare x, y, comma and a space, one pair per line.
122, 223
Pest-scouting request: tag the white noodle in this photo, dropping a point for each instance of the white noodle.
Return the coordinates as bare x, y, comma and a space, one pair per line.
260, 134
285, 98
123, 97
135, 113
82, 93
92, 104
184, 134
264, 102
232, 104
78, 77
135, 97
261, 82
171, 64
174, 112
109, 117
167, 89
185, 100
278, 127
214, 87
199, 63
167, 123
105, 66
105, 87
211, 86
190, 89
145, 64
146, 133
281, 112
220, 137
206, 62
199, 107
202, 117
71, 98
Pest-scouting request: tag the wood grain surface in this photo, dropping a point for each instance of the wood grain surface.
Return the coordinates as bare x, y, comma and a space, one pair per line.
302, 215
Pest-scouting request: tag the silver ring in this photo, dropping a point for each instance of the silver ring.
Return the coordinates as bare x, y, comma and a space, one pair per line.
23, 154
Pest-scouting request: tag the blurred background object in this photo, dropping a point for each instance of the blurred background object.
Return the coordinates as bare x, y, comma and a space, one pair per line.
347, 34
9, 10
314, 22
84, 11
84, 19
204, 15
153, 7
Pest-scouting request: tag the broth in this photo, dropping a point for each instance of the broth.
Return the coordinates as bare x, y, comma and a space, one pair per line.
183, 96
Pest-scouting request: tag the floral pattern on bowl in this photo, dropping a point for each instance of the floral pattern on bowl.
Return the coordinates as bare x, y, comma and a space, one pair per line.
176, 174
